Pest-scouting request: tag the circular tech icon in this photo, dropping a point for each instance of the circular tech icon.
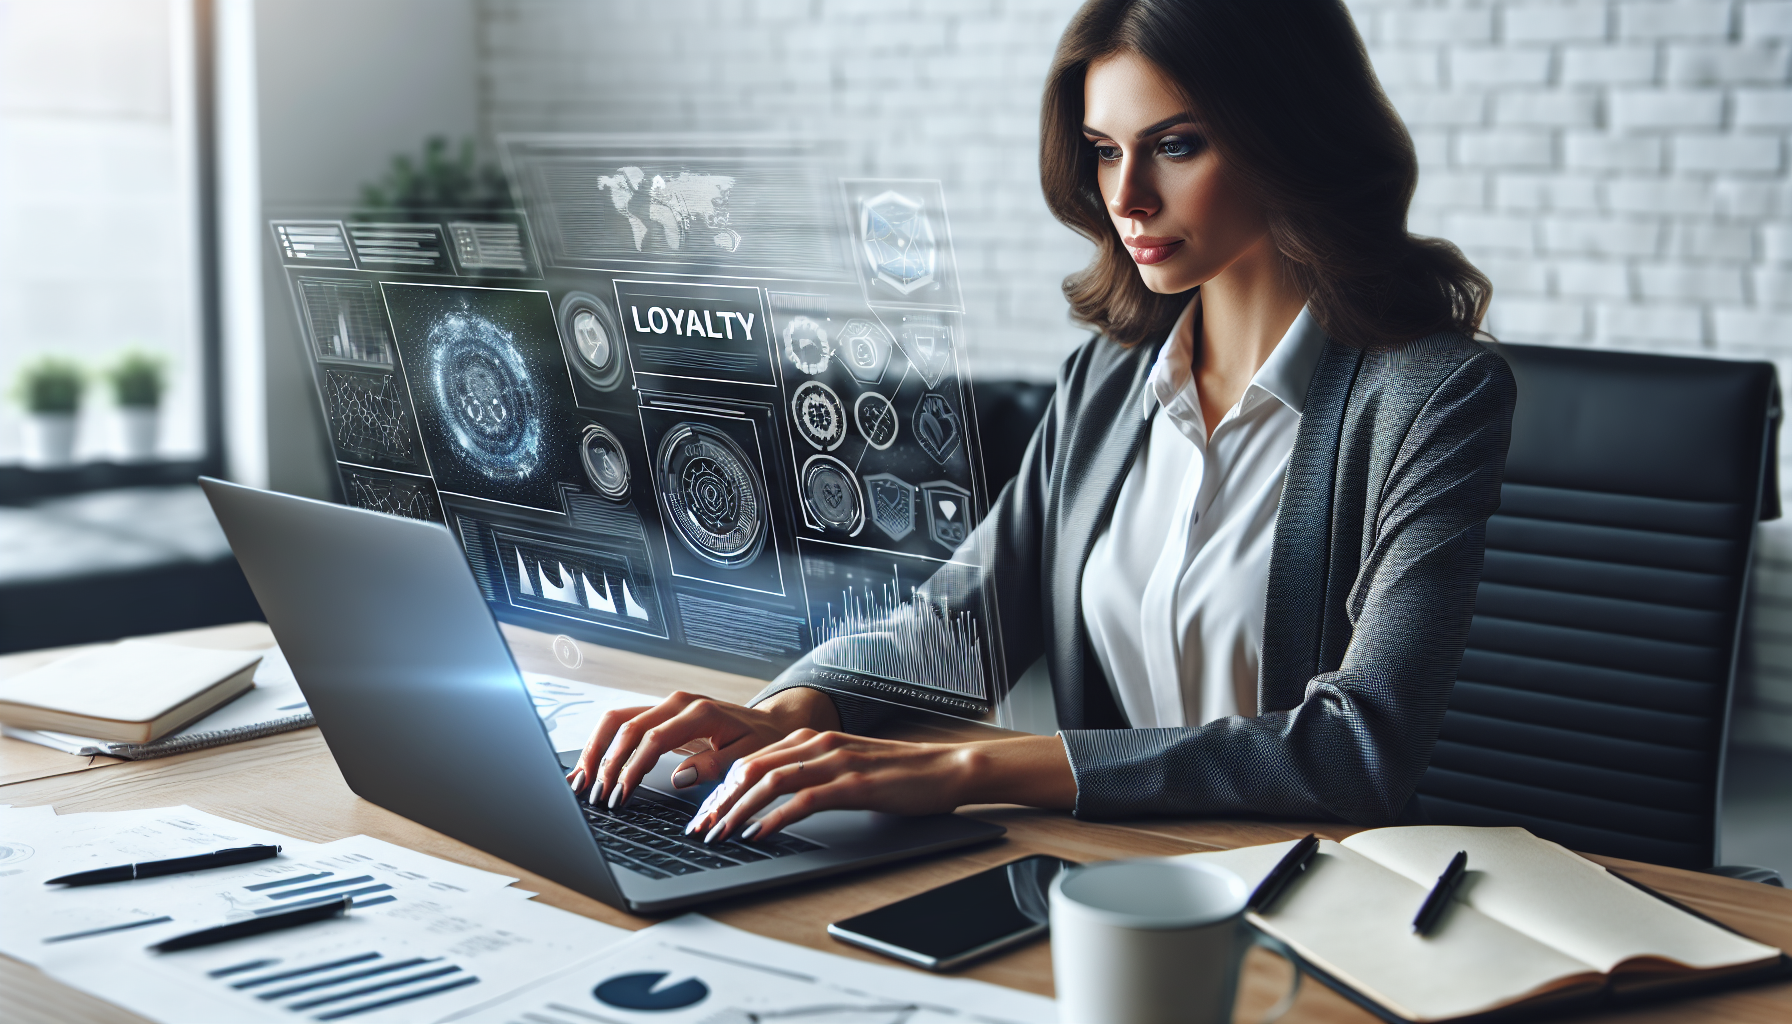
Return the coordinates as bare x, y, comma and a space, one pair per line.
566, 651
806, 343
710, 492
832, 495
876, 418
593, 339
485, 395
606, 464
820, 416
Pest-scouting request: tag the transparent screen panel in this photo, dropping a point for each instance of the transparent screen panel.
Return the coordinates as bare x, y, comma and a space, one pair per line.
706, 402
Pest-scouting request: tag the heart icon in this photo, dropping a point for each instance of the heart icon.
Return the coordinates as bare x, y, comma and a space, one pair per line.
950, 508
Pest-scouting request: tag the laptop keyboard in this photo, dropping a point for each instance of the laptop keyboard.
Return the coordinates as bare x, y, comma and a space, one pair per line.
647, 836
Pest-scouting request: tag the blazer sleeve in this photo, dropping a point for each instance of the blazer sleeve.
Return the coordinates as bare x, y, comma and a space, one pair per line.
1356, 744
1001, 555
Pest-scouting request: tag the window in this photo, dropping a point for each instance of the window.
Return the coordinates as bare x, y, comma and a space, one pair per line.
99, 225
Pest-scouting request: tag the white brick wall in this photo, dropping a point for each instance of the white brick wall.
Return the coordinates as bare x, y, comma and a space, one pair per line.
1619, 169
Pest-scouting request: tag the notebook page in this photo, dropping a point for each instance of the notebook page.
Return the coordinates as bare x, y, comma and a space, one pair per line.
1547, 892
1353, 918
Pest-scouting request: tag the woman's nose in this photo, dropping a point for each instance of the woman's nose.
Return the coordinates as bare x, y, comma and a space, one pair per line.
1134, 197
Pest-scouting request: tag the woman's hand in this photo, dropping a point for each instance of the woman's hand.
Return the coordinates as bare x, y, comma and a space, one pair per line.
838, 771
628, 742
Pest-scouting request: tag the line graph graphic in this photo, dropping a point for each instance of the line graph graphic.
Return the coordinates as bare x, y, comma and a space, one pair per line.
878, 630
368, 416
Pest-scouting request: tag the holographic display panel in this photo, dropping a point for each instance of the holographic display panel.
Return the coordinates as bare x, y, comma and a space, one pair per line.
491, 390
702, 401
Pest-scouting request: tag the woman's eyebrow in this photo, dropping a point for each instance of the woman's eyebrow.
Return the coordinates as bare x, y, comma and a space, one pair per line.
1168, 122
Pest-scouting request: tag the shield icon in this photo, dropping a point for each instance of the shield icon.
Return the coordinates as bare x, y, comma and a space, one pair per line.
926, 339
892, 504
948, 513
937, 427
898, 241
864, 346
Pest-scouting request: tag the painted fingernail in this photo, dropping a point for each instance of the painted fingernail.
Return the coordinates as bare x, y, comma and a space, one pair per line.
684, 777
616, 796
716, 833
597, 793
578, 780
752, 830
691, 826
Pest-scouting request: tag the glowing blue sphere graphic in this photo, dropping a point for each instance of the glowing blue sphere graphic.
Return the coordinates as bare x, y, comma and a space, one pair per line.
486, 398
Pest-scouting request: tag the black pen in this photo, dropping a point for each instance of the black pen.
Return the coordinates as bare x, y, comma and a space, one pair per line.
174, 866
1433, 907
1292, 863
254, 926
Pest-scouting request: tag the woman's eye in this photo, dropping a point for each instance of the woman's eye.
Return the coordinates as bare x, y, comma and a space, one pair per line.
1179, 147
1107, 154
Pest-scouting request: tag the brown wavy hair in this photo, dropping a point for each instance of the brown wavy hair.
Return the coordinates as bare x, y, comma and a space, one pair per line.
1286, 96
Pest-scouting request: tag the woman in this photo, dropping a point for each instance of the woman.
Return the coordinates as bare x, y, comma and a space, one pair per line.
1247, 535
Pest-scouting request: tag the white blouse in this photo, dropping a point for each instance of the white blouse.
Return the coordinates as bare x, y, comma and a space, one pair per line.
1173, 591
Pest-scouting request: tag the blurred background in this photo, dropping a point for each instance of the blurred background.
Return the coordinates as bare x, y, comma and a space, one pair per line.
1617, 167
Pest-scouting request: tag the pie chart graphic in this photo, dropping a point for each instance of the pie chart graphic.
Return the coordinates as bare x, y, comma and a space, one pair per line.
639, 992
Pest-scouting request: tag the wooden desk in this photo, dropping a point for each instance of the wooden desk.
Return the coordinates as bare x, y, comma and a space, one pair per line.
288, 783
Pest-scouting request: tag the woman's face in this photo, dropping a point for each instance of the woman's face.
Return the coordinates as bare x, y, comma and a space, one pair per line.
1172, 199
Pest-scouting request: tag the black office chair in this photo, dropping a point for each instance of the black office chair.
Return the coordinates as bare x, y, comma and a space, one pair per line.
1593, 702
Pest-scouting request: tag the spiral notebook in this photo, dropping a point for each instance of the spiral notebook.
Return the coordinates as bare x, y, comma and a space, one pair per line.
274, 705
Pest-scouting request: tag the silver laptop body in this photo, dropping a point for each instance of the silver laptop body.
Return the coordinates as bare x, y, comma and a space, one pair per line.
426, 715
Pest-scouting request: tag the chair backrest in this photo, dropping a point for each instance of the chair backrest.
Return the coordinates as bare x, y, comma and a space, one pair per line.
1593, 700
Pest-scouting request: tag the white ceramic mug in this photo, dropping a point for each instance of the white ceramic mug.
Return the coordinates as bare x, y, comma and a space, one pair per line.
1144, 941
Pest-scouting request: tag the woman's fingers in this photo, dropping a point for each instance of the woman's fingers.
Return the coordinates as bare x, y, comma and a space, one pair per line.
828, 780
700, 717
712, 764
845, 791
757, 780
741, 774
624, 736
585, 772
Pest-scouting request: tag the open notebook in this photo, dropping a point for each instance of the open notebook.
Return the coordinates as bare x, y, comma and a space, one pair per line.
1532, 923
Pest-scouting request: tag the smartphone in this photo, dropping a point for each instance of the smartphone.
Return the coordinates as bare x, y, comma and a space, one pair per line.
944, 928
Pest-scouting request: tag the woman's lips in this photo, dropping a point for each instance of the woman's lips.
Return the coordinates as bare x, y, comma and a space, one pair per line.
1155, 252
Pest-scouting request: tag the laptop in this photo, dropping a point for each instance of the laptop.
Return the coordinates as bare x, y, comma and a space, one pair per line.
426, 714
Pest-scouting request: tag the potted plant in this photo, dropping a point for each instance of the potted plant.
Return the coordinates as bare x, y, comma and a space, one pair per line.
138, 380
50, 390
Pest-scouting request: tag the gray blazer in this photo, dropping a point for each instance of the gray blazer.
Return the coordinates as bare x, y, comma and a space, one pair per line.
1377, 554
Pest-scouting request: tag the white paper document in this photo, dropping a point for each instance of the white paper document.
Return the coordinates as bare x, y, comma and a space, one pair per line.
419, 959
570, 709
425, 936
58, 924
692, 970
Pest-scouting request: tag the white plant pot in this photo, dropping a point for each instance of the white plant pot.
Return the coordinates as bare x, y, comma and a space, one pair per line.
50, 439
138, 430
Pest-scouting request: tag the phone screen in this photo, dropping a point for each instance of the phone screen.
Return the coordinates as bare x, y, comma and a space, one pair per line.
950, 925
